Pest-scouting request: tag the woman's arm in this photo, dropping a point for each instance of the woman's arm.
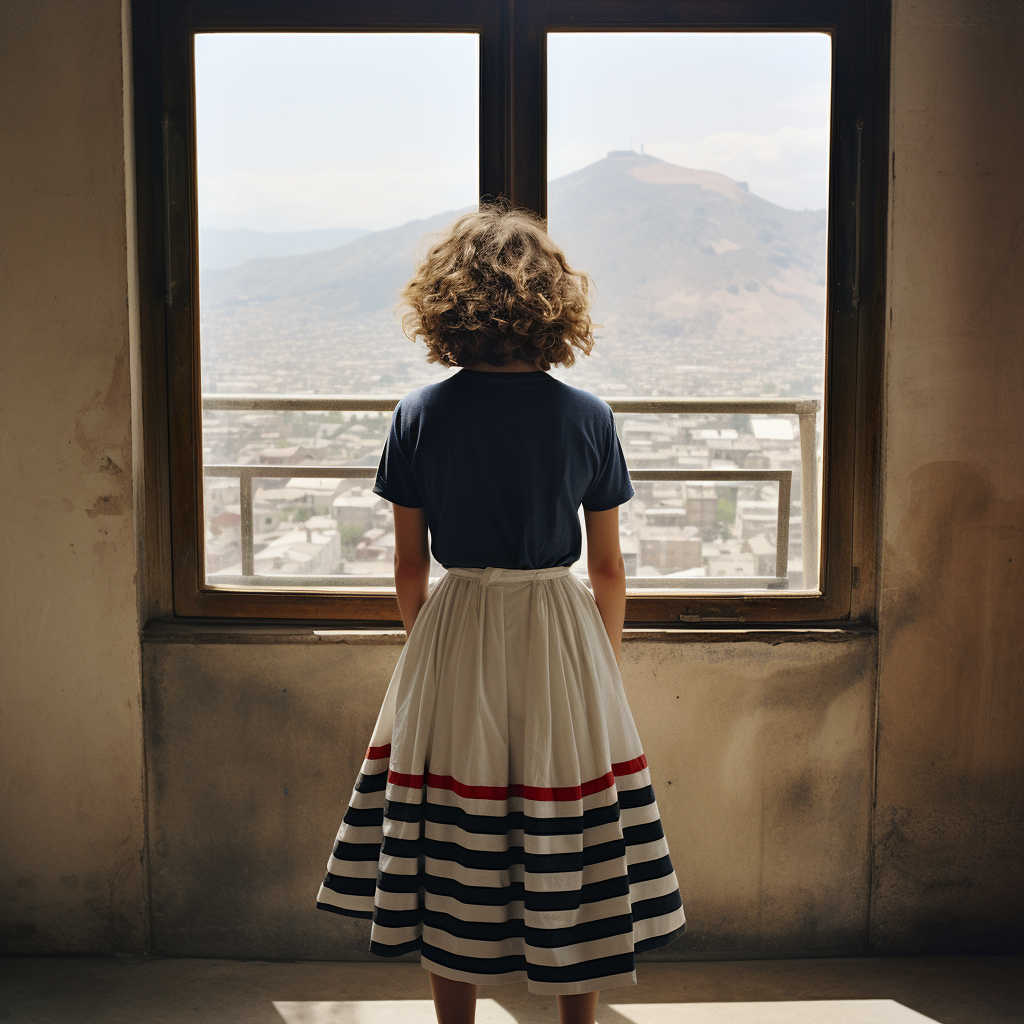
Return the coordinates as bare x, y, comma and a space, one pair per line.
412, 561
607, 572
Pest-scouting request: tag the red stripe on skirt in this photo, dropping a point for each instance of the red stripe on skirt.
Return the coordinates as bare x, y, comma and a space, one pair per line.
518, 789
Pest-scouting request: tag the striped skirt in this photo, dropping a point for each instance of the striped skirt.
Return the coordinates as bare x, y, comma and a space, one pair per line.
503, 822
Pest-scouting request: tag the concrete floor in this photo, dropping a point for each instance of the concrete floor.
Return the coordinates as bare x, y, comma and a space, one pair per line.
947, 990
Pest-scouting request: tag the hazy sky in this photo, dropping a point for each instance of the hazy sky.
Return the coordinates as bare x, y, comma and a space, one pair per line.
319, 130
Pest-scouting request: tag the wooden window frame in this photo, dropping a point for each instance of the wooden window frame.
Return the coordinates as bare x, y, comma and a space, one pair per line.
512, 163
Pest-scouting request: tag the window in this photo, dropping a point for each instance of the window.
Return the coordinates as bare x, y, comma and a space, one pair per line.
296, 134
709, 287
739, 357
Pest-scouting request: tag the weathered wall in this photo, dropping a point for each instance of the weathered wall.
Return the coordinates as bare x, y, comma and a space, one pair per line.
768, 861
762, 754
949, 845
761, 759
71, 843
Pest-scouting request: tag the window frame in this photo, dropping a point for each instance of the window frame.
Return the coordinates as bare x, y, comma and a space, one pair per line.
512, 163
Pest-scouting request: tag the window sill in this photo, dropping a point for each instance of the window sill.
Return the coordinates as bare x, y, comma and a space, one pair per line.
193, 632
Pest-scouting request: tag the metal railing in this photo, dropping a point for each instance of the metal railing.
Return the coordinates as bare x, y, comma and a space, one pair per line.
805, 409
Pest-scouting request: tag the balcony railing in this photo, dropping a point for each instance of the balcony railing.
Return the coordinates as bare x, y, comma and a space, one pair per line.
805, 409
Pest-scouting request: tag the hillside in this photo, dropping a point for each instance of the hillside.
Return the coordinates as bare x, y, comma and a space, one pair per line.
361, 276
229, 247
662, 243
689, 267
690, 252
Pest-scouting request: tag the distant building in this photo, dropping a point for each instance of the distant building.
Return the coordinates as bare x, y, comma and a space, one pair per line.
300, 552
356, 507
668, 492
655, 433
701, 505
290, 456
225, 521
669, 548
325, 523
221, 491
376, 544
317, 492
796, 534
772, 428
644, 457
757, 517
222, 545
273, 505
665, 516
763, 551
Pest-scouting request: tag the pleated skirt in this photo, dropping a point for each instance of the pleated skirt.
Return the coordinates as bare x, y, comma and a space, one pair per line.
503, 822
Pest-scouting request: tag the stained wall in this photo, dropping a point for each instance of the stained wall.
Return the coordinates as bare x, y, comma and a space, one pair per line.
949, 829
764, 754
760, 756
71, 796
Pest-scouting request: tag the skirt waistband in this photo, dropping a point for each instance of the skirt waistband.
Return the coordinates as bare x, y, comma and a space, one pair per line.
495, 575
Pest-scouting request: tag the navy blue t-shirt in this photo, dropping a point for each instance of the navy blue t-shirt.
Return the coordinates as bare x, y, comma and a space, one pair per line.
502, 462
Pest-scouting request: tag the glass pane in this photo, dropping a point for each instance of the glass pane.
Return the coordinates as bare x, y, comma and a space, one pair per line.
688, 176
324, 159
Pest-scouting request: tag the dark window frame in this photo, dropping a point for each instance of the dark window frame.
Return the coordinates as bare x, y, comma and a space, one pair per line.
512, 163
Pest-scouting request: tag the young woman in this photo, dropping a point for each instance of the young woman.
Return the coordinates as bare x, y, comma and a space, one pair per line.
503, 822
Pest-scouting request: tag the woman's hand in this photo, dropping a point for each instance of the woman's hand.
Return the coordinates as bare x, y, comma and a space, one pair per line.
607, 572
412, 561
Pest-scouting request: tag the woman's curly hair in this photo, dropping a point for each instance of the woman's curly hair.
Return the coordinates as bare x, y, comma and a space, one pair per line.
496, 289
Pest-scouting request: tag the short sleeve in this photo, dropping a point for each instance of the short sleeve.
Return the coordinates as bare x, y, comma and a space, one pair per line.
611, 486
395, 480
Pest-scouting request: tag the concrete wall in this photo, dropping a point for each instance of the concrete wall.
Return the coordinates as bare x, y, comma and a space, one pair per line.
760, 755
949, 851
763, 754
72, 838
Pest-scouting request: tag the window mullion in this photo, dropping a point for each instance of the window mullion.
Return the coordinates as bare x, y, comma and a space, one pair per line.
495, 103
528, 120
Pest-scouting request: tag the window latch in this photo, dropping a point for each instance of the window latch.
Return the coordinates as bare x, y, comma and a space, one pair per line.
710, 618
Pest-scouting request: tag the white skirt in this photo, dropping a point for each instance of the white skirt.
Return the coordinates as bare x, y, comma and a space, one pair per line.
503, 822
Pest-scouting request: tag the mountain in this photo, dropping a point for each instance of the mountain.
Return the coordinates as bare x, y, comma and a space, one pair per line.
228, 247
363, 276
670, 249
689, 252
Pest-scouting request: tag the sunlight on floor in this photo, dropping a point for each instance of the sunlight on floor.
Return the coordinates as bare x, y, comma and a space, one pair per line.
375, 1011
813, 1011
804, 1011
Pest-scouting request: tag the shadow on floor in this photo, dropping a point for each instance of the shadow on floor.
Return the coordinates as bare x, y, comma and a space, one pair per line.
943, 990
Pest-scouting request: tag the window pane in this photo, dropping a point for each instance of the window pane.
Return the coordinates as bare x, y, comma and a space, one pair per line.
688, 175
323, 161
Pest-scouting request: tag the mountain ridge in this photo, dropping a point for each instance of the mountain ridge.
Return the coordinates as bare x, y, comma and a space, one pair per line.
222, 248
674, 249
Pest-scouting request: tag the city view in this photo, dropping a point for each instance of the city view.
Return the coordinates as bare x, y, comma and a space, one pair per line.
685, 309
688, 179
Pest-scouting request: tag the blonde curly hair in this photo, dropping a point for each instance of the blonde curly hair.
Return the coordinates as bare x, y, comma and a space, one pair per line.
497, 290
